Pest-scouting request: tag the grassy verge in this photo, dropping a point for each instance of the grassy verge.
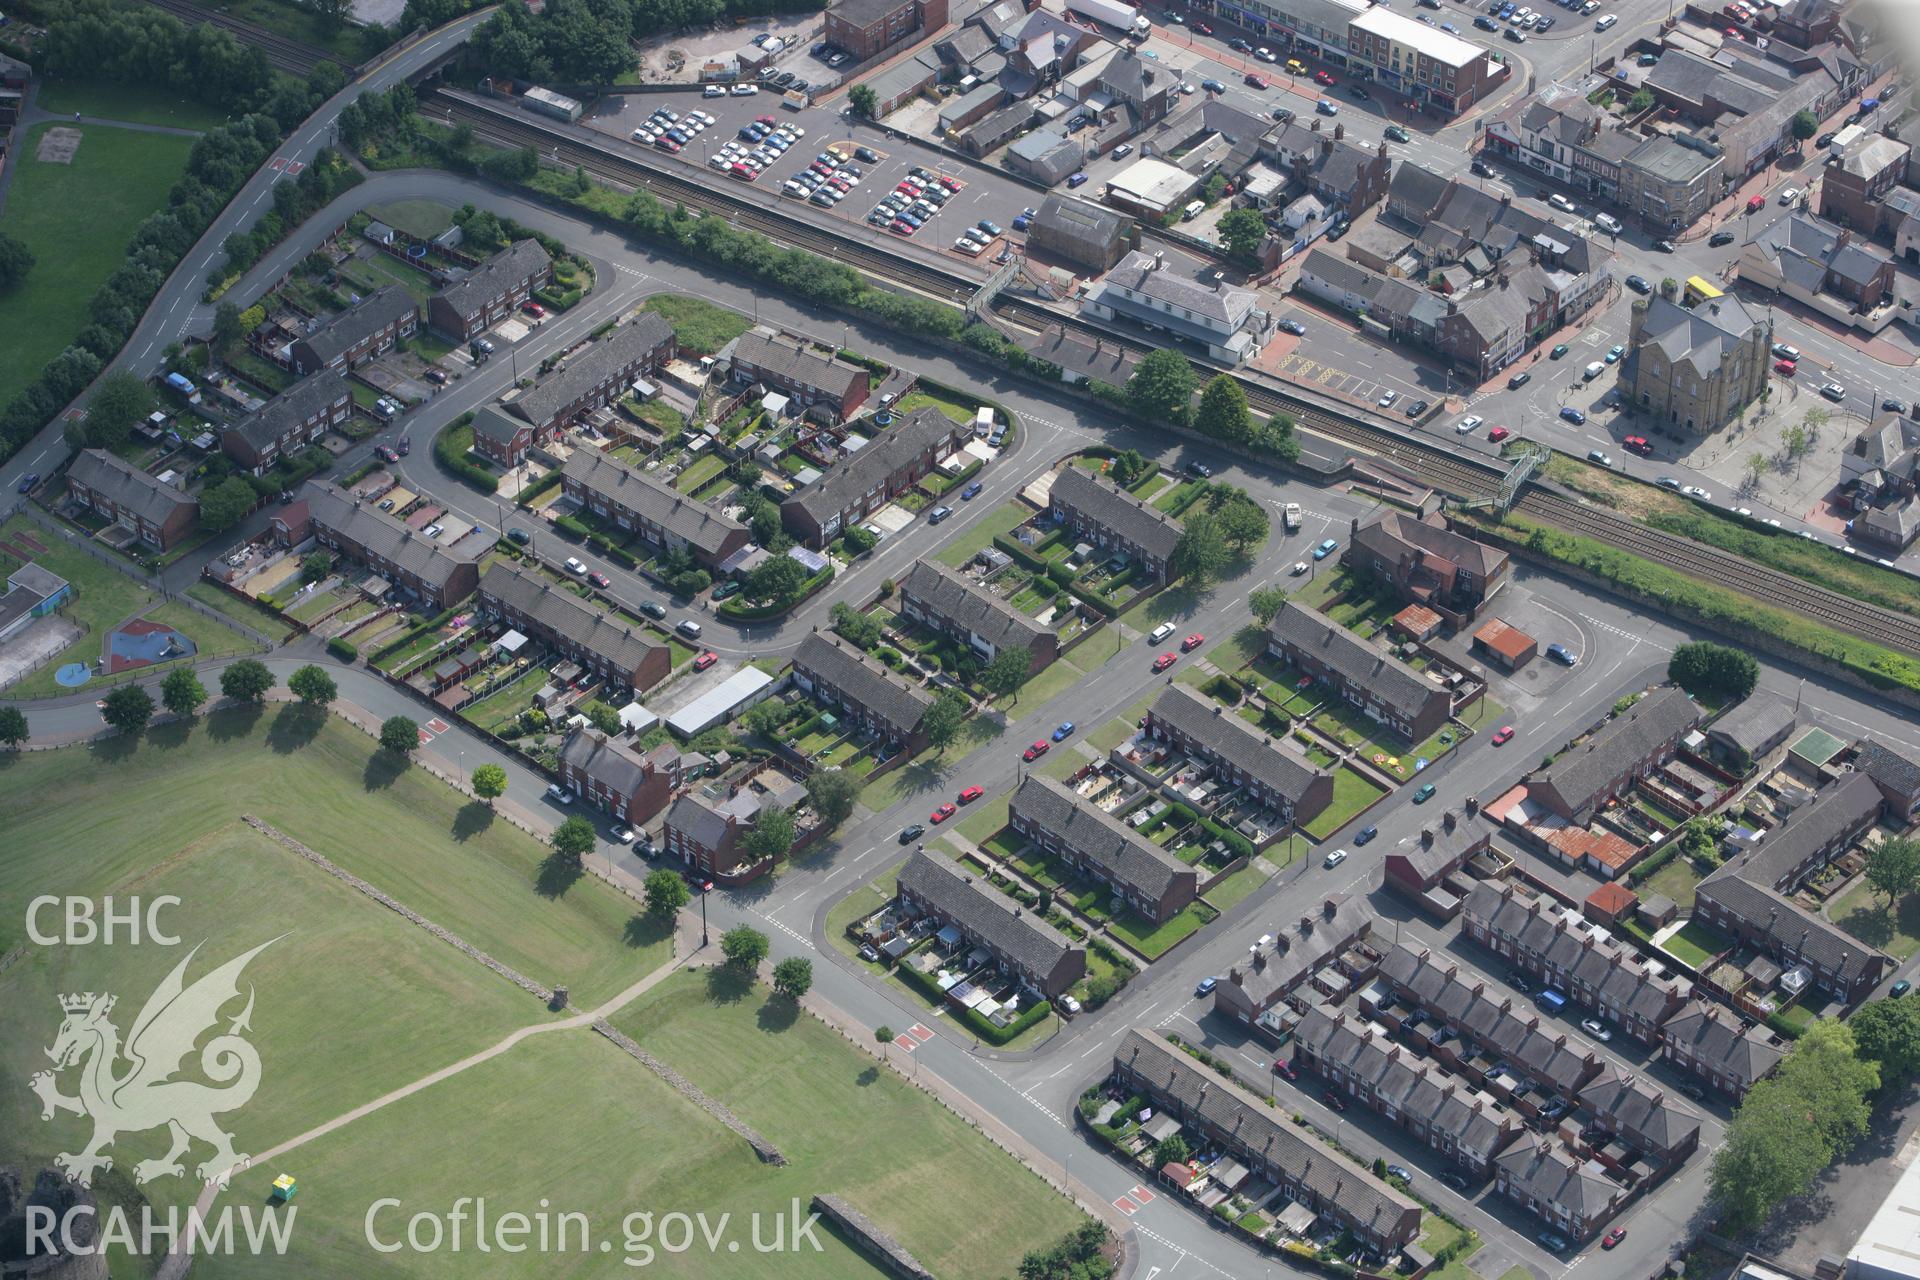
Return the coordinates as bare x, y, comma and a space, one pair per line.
76, 219
211, 638
1155, 940
265, 621
1003, 519
700, 327
1862, 913
1236, 887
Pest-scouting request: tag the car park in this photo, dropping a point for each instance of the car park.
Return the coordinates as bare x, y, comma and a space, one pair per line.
1498, 434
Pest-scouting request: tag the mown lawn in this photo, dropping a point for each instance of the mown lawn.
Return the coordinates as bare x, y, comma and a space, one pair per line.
1351, 794
923, 400
135, 104
260, 619
76, 219
1003, 519
1154, 941
1695, 943
1862, 913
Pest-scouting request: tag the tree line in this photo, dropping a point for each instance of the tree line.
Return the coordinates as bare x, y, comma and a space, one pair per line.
586, 41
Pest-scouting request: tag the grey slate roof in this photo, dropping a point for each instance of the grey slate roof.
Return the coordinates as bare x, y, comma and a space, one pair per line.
1300, 948
264, 427
331, 507
1639, 1108
1803, 249
491, 422
356, 323
1840, 807
1550, 1174
1274, 762
798, 361
1074, 353
1116, 511
1076, 220
1130, 858
955, 597
703, 527
865, 681
1224, 1108
605, 759
984, 912
1786, 925
1618, 977
1660, 717
1700, 336
884, 454
645, 333
1757, 720
623, 647
127, 486
1223, 306
1491, 1018
1420, 190
470, 294
1387, 678
1720, 1039
1886, 766
705, 825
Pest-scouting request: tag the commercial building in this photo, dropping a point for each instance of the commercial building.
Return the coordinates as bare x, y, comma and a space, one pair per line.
1112, 520
1858, 178
115, 490
1143, 290
861, 483
1696, 368
1830, 269
1142, 874
1019, 941
864, 691
1427, 563
951, 603
1384, 688
1246, 762
630, 499
615, 776
1078, 234
1614, 756
489, 293
289, 422
422, 567
358, 334
625, 657
867, 28
796, 368
1441, 73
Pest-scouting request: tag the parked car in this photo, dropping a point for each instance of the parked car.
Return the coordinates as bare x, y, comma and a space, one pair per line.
1205, 986
1387, 398
1165, 660
942, 811
1597, 1029
969, 794
1400, 1171
1415, 409
1719, 238
1333, 1100
1519, 380
1192, 642
1282, 1067
519, 537
1503, 735
938, 514
1559, 349
1600, 457
1638, 444
599, 579
1469, 423
1325, 549
27, 482
1424, 794
1064, 731
1785, 368
911, 832
559, 794
1899, 989
1366, 834
1613, 1237
705, 660
1639, 284
653, 609
1573, 415
576, 566
1497, 434
1160, 633
1334, 859
1292, 326
971, 492
1833, 391
1616, 351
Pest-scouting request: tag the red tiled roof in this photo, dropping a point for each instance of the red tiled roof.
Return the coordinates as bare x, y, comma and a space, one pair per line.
1608, 849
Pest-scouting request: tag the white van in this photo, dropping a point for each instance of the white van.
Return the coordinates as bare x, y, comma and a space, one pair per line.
1193, 210
1593, 371
1160, 632
688, 628
1608, 223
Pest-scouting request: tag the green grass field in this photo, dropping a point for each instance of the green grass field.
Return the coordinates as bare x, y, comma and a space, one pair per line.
1351, 794
1863, 913
701, 327
423, 218
262, 620
1003, 519
134, 104
76, 219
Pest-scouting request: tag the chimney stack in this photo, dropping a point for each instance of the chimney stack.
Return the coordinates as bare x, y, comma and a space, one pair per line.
1426, 837
1451, 819
1339, 131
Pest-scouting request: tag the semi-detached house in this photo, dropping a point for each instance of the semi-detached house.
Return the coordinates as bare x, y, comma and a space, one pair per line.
1020, 942
491, 292
289, 422
1149, 879
952, 603
1114, 521
631, 499
116, 490
613, 775
624, 656
416, 564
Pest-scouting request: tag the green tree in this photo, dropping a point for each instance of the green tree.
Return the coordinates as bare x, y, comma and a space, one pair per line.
226, 504
1804, 125
792, 977
1007, 672
944, 719
13, 727
128, 708
316, 565
1171, 1149
1265, 602
603, 717
573, 839
744, 947
313, 686
1223, 411
1640, 102
1278, 438
489, 782
832, 793
119, 400
399, 735
771, 834
1129, 467
15, 260
1893, 869
1161, 388
247, 680
778, 580
1706, 669
1244, 523
181, 692
864, 101
1242, 231
1201, 553
765, 718
228, 328
857, 628
1887, 1033
667, 892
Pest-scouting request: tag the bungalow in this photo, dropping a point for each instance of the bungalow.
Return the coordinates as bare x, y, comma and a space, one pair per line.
1113, 520
863, 482
1020, 942
490, 292
358, 334
1380, 685
1246, 761
289, 422
1260, 1139
860, 688
1716, 1046
795, 367
116, 490
1151, 881
422, 567
614, 775
953, 604
631, 499
626, 657
1614, 756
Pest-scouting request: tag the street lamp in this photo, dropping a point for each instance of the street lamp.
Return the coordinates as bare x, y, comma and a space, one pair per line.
706, 887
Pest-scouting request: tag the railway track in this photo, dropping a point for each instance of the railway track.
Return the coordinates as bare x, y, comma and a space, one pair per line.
1450, 473
283, 53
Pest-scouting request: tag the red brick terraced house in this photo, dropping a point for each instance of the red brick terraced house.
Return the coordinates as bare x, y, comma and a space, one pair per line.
798, 369
867, 28
860, 484
1573, 1196
591, 378
116, 490
1715, 1045
631, 499
289, 422
948, 601
490, 292
420, 566
1020, 942
616, 777
1148, 878
1245, 760
626, 657
1112, 520
358, 334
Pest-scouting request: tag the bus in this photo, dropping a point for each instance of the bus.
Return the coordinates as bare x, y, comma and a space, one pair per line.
1700, 290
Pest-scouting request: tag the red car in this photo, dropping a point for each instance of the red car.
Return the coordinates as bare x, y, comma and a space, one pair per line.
1203, 28
1323, 77
1257, 81
1192, 642
1756, 204
1333, 1100
1637, 444
971, 794
705, 660
599, 579
1503, 736
949, 182
942, 813
1165, 660
1285, 1068
387, 454
1498, 434
1785, 368
1037, 750
535, 310
768, 121
1613, 1237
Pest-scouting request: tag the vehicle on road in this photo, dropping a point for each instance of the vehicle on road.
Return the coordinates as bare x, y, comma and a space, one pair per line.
688, 628
1292, 326
1282, 1067
1890, 405
1833, 391
1327, 107
1424, 794
1400, 1171
1664, 246
1613, 1237
1160, 633
1255, 80
1397, 133
1415, 409
1553, 1241
559, 794
1455, 1181
1165, 660
519, 537
1325, 549
1561, 203
1519, 380
576, 567
705, 660
1366, 833
1334, 859
1616, 351
653, 609
1719, 238
1064, 731
1639, 284
1038, 749
599, 579
912, 832
971, 492
1559, 350
1899, 989
1785, 368
942, 811
1695, 491
970, 794
1206, 986
1789, 194
1192, 642
1290, 517
1299, 567
1200, 470
27, 482
1597, 1029
1600, 457
1503, 735
1573, 415
1333, 1100
1638, 444
938, 514
387, 453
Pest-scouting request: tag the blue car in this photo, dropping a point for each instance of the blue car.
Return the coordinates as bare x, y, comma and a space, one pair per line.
970, 492
1325, 549
1366, 833
1573, 415
1064, 732
1206, 986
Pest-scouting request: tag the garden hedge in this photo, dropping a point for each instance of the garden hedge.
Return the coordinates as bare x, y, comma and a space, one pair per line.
343, 649
454, 458
739, 612
973, 1021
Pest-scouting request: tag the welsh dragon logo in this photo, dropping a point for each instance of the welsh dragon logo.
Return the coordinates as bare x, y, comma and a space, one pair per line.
144, 1094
